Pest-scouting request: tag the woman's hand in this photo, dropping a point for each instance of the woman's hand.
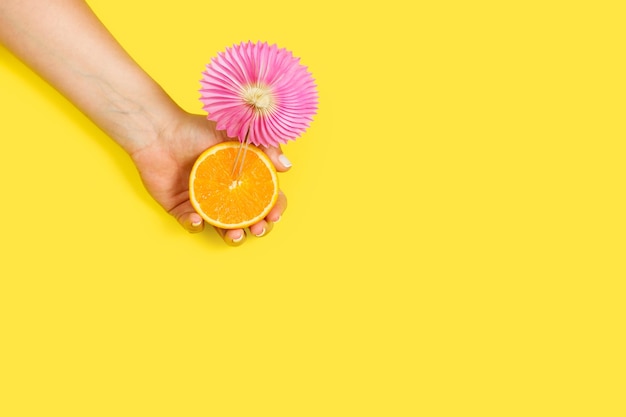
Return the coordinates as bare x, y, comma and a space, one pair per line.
77, 55
165, 164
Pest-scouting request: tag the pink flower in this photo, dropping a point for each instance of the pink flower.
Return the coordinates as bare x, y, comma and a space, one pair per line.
259, 91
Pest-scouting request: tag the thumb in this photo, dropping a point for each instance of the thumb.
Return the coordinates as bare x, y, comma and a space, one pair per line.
280, 161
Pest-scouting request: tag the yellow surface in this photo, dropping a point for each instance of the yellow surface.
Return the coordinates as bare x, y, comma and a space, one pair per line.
454, 243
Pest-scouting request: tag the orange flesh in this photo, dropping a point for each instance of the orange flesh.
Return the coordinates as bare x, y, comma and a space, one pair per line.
226, 201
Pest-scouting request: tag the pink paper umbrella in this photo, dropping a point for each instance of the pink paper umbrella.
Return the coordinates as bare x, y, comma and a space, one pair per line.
259, 94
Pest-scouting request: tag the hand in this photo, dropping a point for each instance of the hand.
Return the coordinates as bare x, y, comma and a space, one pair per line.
96, 74
165, 164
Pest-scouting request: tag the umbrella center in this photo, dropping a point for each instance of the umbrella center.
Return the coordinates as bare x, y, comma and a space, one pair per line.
259, 97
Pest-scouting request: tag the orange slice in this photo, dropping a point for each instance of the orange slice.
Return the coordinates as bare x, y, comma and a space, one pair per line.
233, 200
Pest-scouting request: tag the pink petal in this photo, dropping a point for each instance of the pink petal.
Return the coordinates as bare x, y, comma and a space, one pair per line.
275, 72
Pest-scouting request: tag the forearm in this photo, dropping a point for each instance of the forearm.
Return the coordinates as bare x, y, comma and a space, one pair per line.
65, 43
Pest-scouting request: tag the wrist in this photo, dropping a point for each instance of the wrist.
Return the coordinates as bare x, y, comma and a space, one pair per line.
139, 123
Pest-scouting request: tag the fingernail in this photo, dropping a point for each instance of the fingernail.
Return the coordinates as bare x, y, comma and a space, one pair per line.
262, 233
196, 223
284, 160
277, 219
237, 240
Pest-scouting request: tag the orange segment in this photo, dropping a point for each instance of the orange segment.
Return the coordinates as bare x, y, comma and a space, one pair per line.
229, 200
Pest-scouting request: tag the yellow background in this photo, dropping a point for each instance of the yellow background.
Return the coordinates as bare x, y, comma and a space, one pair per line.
454, 242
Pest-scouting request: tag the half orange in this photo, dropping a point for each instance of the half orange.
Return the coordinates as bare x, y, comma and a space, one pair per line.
233, 198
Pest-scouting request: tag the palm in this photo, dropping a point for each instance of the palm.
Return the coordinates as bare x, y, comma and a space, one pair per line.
165, 165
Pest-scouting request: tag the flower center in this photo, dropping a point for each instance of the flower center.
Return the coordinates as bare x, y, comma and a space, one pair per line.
259, 97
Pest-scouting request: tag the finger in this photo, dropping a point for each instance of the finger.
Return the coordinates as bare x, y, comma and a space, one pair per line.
261, 228
233, 237
280, 161
279, 208
188, 218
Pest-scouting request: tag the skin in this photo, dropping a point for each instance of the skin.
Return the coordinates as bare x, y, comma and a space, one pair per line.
77, 55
